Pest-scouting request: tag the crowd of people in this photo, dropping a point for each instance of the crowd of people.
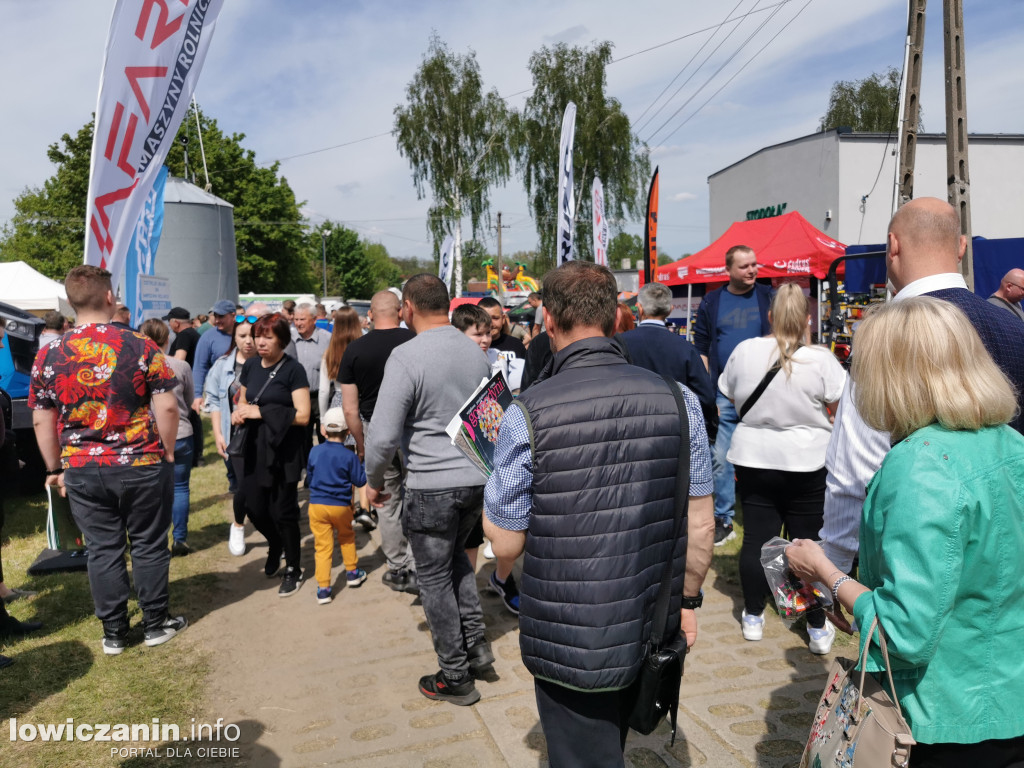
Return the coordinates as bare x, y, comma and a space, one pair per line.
910, 472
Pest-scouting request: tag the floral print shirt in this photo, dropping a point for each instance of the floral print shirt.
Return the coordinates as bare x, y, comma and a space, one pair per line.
100, 379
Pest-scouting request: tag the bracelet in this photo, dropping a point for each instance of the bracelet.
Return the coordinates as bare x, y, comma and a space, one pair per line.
837, 584
54, 472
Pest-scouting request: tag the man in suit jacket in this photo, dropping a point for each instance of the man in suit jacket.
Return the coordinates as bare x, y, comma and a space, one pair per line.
923, 254
653, 346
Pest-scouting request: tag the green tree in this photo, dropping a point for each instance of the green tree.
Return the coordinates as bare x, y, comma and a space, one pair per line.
48, 228
869, 105
454, 136
625, 246
605, 144
383, 269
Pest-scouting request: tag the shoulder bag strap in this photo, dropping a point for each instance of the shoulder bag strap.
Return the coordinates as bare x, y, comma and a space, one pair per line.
682, 504
759, 390
270, 378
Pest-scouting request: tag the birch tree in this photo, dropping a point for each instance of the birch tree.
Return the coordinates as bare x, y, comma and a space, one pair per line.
454, 136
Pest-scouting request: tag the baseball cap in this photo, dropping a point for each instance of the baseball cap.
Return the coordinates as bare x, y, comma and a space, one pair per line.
178, 313
334, 420
224, 307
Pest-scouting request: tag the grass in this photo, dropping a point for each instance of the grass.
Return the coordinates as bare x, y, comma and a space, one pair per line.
62, 672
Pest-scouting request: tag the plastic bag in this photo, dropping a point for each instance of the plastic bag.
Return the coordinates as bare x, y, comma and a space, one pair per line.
792, 597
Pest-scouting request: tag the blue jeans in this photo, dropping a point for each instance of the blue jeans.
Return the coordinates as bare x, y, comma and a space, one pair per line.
182, 474
437, 523
724, 472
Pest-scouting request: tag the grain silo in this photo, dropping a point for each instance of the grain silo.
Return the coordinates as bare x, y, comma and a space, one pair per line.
197, 248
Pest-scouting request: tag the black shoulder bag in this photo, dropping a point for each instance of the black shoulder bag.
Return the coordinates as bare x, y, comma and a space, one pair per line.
759, 390
657, 684
236, 447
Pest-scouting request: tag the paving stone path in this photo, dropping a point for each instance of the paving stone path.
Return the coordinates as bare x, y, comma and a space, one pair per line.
335, 685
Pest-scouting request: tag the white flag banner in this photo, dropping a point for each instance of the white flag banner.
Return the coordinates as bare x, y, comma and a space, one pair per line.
566, 204
444, 263
155, 51
600, 223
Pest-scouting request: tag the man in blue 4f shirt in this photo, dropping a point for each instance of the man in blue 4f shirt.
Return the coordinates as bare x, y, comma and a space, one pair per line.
727, 316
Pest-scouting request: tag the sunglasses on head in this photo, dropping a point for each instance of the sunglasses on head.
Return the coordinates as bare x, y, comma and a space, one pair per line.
245, 319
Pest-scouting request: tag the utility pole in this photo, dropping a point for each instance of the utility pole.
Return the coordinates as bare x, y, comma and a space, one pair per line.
958, 178
497, 265
911, 107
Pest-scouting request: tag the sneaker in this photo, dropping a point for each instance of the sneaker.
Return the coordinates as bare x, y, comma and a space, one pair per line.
402, 581
820, 640
507, 591
164, 631
114, 645
723, 532
364, 519
180, 549
323, 595
236, 539
488, 551
19, 594
356, 577
440, 688
273, 565
480, 656
753, 625
291, 582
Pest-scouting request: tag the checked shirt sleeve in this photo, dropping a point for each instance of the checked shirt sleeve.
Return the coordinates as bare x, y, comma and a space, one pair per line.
508, 495
701, 482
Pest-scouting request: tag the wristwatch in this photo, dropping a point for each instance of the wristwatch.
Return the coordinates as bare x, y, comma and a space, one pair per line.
690, 603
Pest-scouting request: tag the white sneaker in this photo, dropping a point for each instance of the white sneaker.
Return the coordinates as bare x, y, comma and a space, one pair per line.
753, 626
820, 640
488, 551
236, 540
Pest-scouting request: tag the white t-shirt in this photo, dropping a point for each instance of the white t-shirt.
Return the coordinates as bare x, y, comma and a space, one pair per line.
788, 427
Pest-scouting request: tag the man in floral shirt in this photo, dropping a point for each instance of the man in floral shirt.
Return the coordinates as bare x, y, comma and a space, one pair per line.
106, 420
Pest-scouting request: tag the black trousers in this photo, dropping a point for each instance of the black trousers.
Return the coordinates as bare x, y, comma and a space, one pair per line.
771, 499
273, 510
994, 753
116, 507
583, 729
197, 436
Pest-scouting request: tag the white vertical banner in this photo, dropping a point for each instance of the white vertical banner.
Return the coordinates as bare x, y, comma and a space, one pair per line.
566, 203
600, 223
444, 263
154, 53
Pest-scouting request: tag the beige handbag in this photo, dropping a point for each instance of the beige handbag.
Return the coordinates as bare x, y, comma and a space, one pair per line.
857, 725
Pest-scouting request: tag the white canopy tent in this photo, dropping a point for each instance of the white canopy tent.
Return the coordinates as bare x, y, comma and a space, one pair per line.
32, 291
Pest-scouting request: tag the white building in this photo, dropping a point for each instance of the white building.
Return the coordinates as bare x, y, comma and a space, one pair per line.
843, 183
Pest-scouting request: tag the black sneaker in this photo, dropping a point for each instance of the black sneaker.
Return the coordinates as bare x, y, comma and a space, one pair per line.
159, 634
507, 591
273, 565
114, 644
440, 688
364, 519
10, 627
480, 656
723, 532
412, 584
402, 581
291, 582
180, 549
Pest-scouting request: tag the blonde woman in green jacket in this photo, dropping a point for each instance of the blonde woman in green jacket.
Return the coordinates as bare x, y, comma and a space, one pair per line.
942, 534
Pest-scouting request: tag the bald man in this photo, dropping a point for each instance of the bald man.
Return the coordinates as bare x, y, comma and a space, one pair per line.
923, 252
1011, 291
360, 375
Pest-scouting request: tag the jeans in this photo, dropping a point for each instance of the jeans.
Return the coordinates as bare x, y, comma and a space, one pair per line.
437, 522
724, 472
115, 506
182, 474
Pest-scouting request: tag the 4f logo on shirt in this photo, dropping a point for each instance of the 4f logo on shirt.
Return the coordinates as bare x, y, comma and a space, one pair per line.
739, 319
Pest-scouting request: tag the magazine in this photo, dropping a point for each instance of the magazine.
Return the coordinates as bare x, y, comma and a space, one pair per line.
61, 529
474, 429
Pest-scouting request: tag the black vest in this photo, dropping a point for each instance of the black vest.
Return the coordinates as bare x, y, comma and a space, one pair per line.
605, 438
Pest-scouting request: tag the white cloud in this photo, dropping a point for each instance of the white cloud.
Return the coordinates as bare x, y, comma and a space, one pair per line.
683, 197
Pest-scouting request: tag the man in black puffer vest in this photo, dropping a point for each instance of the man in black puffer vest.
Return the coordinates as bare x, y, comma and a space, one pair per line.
584, 482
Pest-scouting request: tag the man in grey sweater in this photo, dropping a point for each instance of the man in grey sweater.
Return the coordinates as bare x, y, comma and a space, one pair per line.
426, 381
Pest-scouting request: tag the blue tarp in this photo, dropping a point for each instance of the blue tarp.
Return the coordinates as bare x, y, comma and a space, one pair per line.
862, 273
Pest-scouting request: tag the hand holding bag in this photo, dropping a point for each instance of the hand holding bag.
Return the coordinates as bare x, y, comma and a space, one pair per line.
656, 689
240, 435
857, 724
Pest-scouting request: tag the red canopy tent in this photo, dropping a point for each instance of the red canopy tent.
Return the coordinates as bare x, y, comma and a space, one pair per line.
786, 246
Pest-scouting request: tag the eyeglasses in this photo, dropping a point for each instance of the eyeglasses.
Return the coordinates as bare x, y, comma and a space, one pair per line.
245, 319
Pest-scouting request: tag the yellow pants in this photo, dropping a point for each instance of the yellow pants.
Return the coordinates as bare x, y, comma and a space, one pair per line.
324, 520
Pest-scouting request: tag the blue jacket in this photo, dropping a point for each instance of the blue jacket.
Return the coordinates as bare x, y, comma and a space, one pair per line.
218, 380
657, 349
705, 336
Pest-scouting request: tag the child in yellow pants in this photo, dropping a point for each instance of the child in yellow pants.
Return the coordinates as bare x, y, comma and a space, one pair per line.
332, 470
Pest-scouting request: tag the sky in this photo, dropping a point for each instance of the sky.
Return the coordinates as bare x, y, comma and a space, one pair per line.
313, 84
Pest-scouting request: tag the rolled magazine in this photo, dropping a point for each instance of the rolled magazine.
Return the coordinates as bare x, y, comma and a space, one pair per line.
474, 429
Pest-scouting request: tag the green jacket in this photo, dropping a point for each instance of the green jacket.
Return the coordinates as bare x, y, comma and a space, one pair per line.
941, 548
